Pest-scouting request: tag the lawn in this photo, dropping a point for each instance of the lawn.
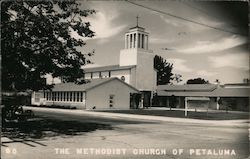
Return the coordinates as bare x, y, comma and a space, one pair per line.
219, 115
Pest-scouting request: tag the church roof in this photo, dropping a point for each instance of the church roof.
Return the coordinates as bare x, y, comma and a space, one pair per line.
107, 68
137, 27
67, 87
201, 90
188, 87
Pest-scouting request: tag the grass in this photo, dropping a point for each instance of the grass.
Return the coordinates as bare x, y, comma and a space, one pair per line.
219, 115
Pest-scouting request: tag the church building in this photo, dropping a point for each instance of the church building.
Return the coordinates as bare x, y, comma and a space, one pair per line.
135, 70
136, 64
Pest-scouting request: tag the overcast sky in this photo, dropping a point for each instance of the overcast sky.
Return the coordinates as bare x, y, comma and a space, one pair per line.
194, 50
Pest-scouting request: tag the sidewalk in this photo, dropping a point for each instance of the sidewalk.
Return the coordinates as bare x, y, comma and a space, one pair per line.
140, 117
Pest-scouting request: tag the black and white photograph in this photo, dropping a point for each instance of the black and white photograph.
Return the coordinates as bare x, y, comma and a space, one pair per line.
124, 79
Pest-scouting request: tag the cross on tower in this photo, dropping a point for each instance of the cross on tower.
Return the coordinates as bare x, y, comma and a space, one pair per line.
137, 20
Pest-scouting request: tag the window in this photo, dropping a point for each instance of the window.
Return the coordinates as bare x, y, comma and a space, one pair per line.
81, 96
64, 94
73, 96
111, 100
53, 96
61, 98
58, 96
37, 97
50, 96
70, 96
46, 95
67, 96
77, 96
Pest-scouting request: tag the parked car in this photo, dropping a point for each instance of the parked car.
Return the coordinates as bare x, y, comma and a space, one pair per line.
12, 110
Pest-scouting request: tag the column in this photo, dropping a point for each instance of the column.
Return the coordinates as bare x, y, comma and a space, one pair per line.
146, 42
186, 106
126, 45
142, 41
127, 41
217, 103
61, 96
136, 42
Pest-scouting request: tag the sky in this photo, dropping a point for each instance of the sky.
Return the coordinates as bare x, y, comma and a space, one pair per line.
195, 50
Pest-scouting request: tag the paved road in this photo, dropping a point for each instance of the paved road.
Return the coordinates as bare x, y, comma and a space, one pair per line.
135, 138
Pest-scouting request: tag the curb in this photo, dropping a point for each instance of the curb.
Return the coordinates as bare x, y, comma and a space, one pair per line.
141, 117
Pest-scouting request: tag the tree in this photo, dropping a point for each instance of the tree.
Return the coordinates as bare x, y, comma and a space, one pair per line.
164, 70
36, 40
177, 78
197, 81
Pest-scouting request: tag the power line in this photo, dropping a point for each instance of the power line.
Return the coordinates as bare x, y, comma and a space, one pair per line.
188, 20
204, 12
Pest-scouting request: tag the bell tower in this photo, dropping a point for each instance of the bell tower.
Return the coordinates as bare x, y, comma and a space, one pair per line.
136, 37
136, 53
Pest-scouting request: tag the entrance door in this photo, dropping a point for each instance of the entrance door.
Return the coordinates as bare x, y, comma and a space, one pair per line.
134, 100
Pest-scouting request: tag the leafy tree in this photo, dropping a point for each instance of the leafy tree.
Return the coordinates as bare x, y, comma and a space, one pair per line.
177, 78
197, 81
164, 70
36, 39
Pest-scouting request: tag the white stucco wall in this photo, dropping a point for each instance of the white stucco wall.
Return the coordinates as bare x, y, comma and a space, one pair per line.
144, 76
99, 96
120, 73
145, 72
132, 78
40, 98
128, 57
